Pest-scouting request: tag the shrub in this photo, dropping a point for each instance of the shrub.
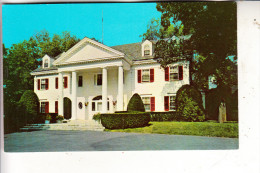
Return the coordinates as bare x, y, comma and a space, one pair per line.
189, 104
165, 116
29, 106
48, 117
135, 104
125, 120
97, 117
59, 117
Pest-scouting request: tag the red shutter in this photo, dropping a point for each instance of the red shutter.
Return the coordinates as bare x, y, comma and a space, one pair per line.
56, 106
152, 104
66, 82
46, 107
166, 103
39, 84
180, 72
47, 84
56, 83
139, 76
166, 73
151, 75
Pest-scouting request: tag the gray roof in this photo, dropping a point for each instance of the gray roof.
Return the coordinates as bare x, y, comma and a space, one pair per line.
133, 51
39, 69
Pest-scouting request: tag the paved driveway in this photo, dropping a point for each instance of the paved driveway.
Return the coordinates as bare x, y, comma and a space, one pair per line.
49, 141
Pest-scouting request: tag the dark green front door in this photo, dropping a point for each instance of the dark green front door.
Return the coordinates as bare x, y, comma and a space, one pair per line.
67, 108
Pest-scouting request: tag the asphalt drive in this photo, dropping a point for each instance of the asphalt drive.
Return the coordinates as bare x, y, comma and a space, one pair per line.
51, 141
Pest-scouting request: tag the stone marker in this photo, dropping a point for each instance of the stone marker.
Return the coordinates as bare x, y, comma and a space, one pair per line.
222, 116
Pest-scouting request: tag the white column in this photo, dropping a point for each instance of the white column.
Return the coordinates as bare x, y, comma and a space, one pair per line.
120, 95
104, 90
60, 103
74, 95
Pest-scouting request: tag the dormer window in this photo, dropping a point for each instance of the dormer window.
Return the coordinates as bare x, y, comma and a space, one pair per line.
46, 64
147, 50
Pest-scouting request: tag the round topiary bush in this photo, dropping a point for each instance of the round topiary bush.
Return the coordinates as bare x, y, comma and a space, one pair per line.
29, 105
135, 104
189, 104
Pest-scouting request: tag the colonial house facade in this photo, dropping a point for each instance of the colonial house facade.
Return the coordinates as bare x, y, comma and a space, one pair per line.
93, 78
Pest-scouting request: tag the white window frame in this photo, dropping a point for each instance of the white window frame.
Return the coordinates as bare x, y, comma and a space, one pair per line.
96, 78
147, 49
43, 83
146, 103
46, 61
147, 75
172, 108
173, 72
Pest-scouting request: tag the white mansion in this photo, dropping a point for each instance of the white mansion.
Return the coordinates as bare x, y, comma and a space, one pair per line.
92, 77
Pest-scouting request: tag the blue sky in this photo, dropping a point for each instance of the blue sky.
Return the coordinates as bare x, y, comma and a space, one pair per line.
123, 22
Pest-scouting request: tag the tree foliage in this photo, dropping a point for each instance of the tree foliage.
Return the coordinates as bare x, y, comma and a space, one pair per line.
155, 31
24, 57
213, 100
213, 28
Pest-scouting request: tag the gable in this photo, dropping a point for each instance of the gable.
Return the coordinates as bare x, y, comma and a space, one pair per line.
90, 52
87, 50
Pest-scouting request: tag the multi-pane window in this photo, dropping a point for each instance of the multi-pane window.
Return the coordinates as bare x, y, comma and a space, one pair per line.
146, 75
98, 79
80, 81
172, 103
46, 63
174, 73
44, 84
146, 50
44, 108
147, 103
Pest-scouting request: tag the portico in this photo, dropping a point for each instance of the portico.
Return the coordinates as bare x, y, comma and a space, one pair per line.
114, 102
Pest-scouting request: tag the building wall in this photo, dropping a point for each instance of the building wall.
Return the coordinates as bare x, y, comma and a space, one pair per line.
158, 89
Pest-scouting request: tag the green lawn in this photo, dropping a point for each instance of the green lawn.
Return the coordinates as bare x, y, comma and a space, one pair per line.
229, 130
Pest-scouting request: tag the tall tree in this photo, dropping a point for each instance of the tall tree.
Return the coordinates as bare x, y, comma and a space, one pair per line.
171, 45
156, 31
22, 58
213, 29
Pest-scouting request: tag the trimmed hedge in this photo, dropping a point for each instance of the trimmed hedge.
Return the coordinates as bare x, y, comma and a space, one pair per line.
29, 106
165, 116
135, 104
125, 120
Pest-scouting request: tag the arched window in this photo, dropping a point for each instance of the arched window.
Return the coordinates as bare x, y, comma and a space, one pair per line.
46, 64
146, 50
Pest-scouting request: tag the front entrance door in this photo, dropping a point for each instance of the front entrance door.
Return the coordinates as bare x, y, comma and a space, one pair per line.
81, 108
67, 108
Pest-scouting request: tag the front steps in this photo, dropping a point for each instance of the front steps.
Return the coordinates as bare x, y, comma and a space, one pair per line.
82, 125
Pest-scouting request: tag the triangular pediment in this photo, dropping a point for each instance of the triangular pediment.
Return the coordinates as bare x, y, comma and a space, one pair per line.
87, 50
